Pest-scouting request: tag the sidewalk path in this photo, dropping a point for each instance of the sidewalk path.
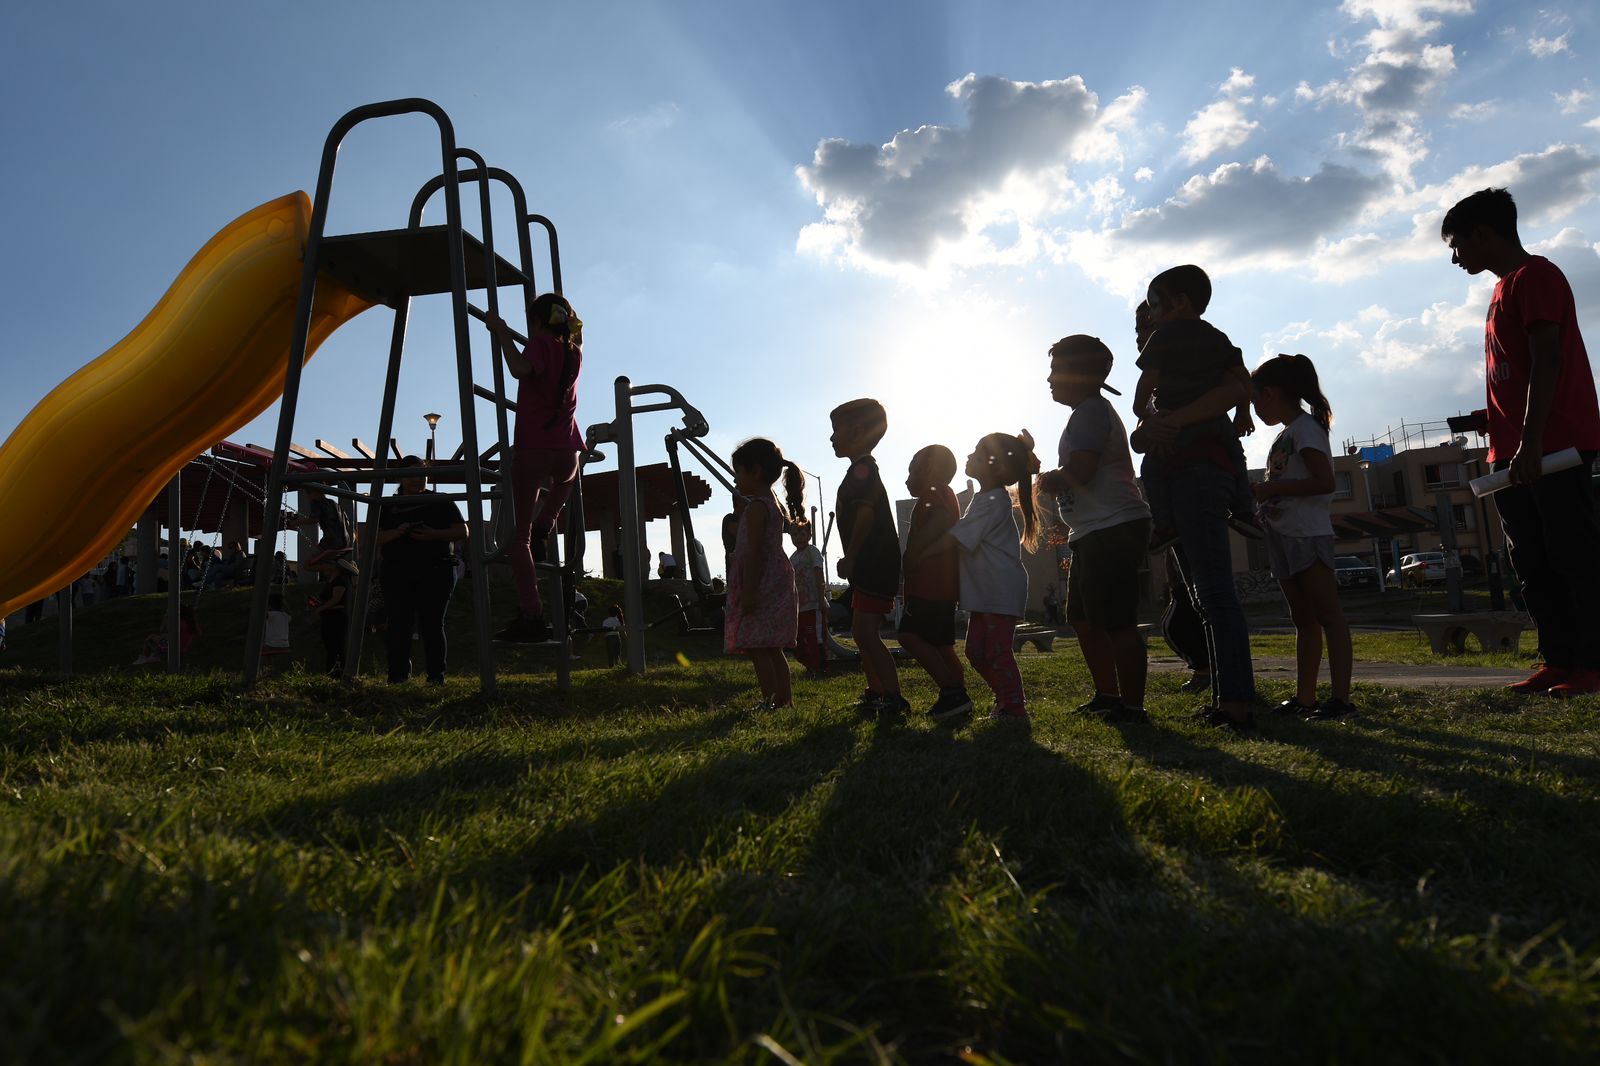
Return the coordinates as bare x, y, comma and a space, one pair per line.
1396, 675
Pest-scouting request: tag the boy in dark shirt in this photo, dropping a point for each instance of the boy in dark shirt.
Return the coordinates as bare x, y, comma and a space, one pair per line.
417, 532
871, 560
1193, 469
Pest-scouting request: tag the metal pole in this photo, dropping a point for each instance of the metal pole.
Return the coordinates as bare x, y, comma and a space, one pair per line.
1452, 558
628, 514
175, 563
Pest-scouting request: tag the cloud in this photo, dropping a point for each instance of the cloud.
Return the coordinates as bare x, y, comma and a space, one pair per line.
1240, 216
1221, 125
938, 195
1545, 47
1143, 174
1571, 103
662, 116
1441, 336
1399, 75
1474, 112
1579, 260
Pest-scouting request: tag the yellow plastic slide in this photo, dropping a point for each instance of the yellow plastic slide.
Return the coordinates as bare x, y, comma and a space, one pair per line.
86, 462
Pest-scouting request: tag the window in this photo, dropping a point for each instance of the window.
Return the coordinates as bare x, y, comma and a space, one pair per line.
1342, 489
1442, 475
1465, 516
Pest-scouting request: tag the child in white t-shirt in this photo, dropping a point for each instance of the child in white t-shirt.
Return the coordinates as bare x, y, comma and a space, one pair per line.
613, 633
1293, 506
275, 635
994, 586
810, 596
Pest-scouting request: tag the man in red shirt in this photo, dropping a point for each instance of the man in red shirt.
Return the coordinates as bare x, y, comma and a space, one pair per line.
1541, 400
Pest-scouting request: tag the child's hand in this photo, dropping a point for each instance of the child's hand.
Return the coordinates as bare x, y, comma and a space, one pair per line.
1243, 424
1159, 429
1263, 490
1053, 481
846, 564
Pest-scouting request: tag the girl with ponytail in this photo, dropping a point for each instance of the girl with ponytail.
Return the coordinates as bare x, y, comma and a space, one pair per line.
994, 586
546, 445
761, 610
1293, 503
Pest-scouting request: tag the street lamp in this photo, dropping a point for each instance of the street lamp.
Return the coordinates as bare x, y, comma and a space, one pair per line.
432, 418
1377, 544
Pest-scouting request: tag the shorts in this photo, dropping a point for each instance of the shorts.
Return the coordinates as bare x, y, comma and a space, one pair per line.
932, 620
865, 604
1103, 584
1289, 556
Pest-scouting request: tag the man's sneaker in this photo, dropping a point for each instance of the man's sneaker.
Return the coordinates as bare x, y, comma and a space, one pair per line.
1293, 708
1217, 718
1198, 683
1247, 526
1330, 710
952, 703
893, 704
1009, 714
1122, 714
1162, 539
1540, 681
1102, 704
1577, 683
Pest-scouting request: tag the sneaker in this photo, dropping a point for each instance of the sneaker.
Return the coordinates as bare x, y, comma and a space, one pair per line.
1102, 704
1162, 539
952, 703
1009, 714
1247, 526
868, 703
1123, 714
1540, 681
1198, 683
1331, 710
1577, 683
893, 704
1215, 718
1293, 708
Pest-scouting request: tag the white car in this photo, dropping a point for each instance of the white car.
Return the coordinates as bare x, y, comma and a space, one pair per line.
1422, 568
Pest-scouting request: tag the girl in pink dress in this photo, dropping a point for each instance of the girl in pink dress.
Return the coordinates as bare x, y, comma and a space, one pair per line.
761, 615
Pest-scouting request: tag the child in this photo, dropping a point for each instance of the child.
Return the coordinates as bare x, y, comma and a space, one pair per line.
1191, 471
928, 625
871, 560
331, 603
1293, 503
761, 606
994, 586
275, 637
155, 645
547, 445
811, 596
1109, 525
613, 627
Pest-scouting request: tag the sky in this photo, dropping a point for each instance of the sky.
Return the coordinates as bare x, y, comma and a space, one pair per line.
777, 207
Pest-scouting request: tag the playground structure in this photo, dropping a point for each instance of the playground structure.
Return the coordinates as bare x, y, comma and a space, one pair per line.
234, 332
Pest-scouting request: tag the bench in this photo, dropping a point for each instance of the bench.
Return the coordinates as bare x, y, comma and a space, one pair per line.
1495, 630
1043, 638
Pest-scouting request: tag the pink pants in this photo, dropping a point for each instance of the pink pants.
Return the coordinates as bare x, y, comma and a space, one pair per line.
990, 652
541, 481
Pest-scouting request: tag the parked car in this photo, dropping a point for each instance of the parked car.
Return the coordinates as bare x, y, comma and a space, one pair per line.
1422, 568
1352, 572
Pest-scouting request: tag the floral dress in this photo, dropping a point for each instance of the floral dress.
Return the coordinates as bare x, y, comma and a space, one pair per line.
771, 623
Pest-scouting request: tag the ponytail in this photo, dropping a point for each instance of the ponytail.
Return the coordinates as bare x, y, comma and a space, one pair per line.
1296, 375
794, 491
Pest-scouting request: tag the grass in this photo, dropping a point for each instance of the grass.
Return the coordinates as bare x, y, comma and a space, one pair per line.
644, 870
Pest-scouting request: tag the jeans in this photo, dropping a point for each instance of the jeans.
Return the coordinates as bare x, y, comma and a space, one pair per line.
1194, 498
1553, 537
417, 597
